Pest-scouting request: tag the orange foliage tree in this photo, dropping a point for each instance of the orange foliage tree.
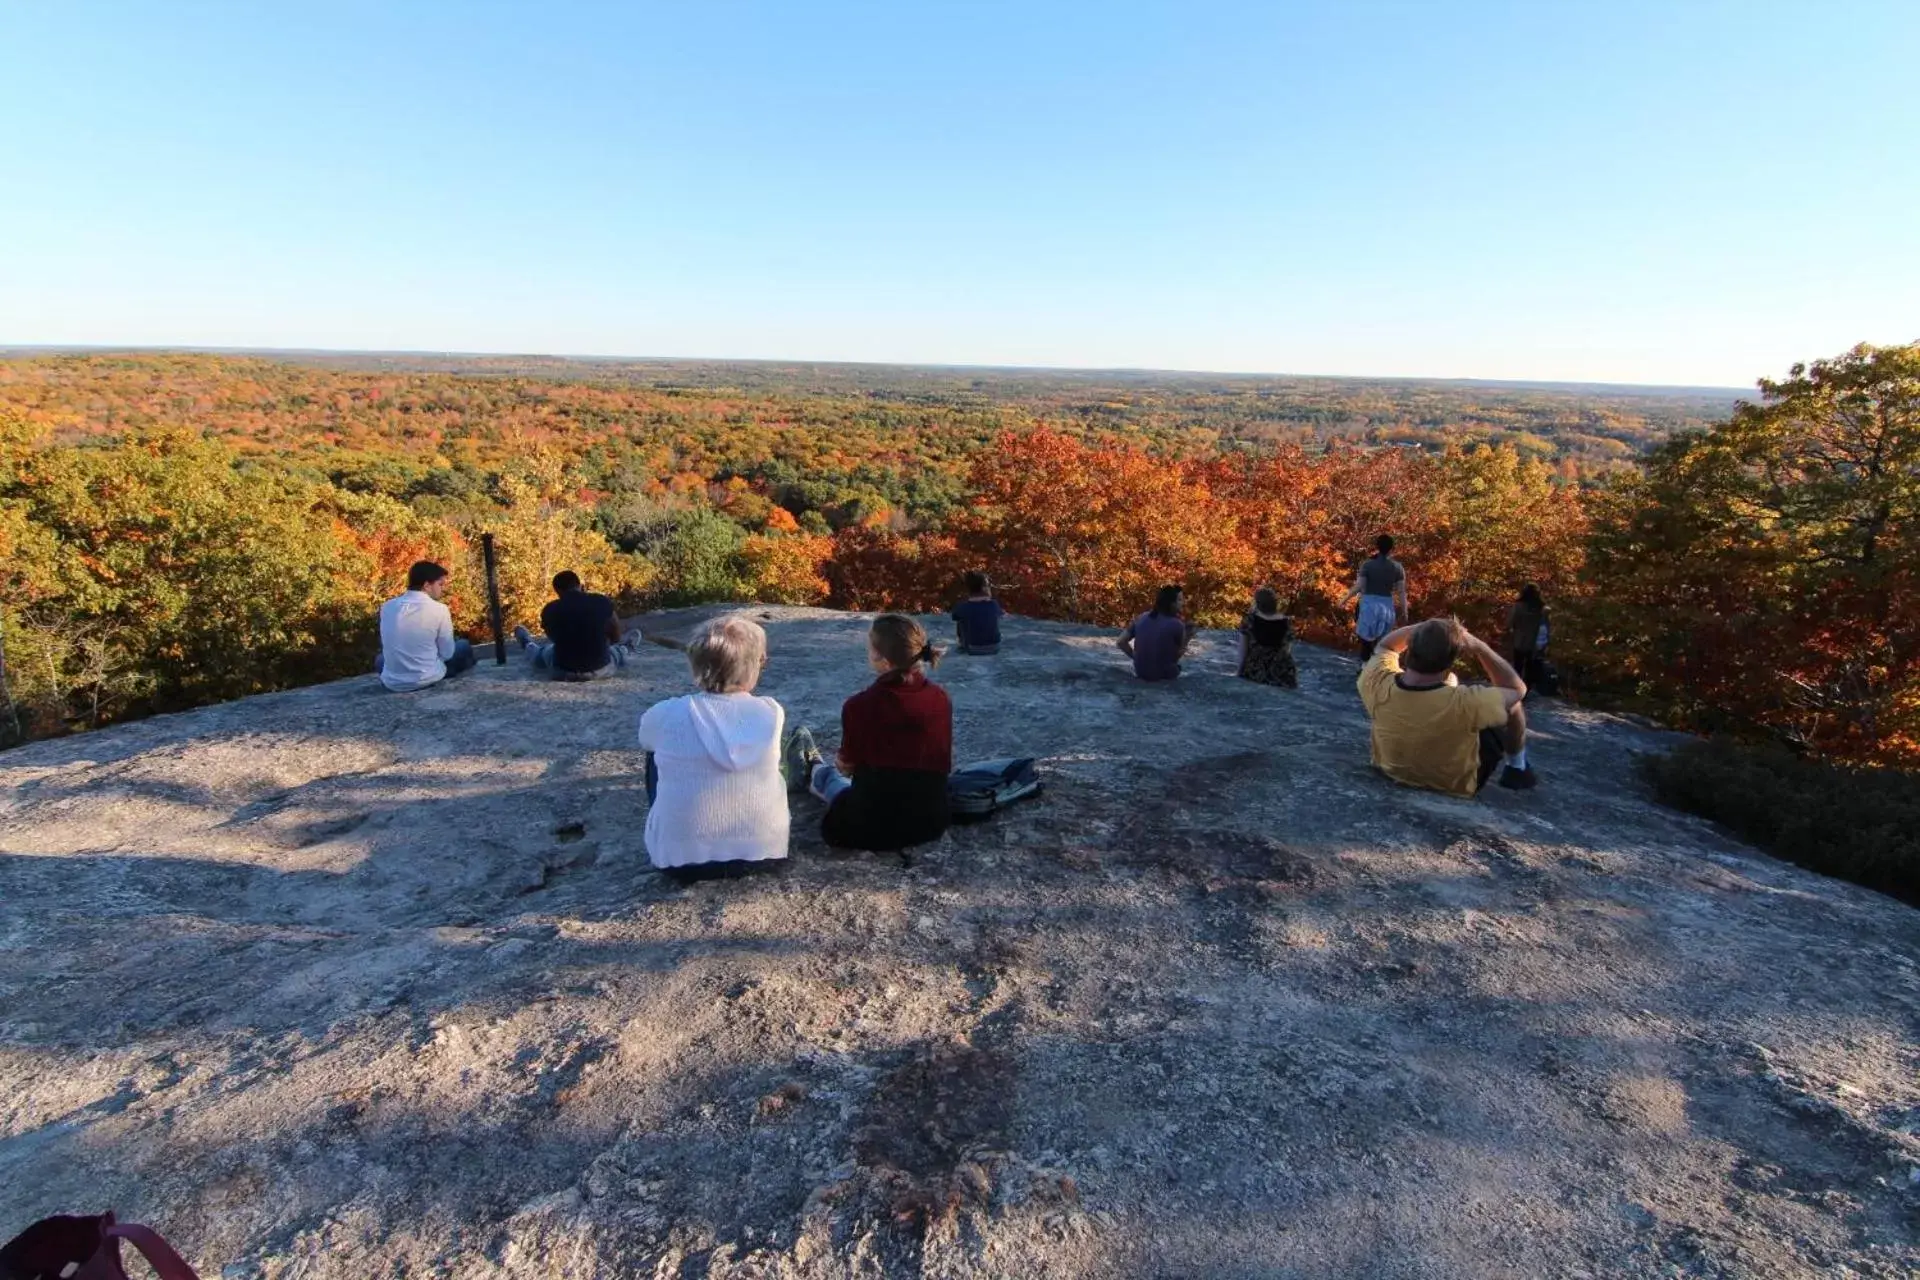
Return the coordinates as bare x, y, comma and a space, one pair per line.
785, 568
1087, 531
1307, 520
875, 568
1472, 526
1499, 520
1766, 574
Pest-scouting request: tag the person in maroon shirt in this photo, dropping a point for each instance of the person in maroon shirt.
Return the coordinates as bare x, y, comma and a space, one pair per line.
889, 789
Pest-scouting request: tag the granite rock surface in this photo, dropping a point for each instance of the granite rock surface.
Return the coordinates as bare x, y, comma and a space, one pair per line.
343, 983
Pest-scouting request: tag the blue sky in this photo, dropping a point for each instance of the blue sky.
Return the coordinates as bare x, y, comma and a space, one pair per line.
1678, 191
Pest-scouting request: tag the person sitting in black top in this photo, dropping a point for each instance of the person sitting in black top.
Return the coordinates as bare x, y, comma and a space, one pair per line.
583, 633
1266, 643
976, 620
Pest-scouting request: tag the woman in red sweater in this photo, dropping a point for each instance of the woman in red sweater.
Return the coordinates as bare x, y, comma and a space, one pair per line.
889, 789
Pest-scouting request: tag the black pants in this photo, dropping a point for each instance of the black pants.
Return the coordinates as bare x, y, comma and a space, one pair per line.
1493, 753
1366, 650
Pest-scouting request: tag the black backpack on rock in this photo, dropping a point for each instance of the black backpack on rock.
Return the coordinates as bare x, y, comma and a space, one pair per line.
980, 790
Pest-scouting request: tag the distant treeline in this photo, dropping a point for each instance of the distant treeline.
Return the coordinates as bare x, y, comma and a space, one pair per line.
181, 528
854, 430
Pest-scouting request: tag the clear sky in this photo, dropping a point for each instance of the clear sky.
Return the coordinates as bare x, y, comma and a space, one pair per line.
1674, 191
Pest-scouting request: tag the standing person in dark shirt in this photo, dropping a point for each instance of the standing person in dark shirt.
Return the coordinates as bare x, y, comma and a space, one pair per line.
888, 787
1381, 589
976, 620
1527, 630
583, 633
1158, 639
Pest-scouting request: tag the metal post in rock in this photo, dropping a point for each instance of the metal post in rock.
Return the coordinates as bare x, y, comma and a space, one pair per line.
493, 600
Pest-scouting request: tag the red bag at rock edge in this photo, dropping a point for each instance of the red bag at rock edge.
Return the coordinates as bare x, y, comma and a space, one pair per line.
91, 1246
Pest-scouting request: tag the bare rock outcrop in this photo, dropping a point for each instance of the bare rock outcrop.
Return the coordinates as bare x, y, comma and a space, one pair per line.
339, 983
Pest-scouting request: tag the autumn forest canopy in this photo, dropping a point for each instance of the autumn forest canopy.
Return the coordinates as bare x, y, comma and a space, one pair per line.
176, 529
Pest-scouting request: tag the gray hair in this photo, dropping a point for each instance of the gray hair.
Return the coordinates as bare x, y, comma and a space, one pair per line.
726, 655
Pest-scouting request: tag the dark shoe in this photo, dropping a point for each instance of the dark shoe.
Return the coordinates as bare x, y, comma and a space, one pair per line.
1519, 779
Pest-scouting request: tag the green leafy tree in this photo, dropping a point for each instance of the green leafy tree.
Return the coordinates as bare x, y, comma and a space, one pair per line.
537, 533
1764, 572
698, 558
164, 572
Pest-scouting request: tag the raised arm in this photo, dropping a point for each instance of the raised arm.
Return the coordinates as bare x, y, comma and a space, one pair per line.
1500, 672
1395, 641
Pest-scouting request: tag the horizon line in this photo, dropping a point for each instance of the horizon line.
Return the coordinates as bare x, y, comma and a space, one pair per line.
87, 348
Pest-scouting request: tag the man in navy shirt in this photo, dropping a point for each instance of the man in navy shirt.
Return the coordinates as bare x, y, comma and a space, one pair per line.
976, 620
583, 633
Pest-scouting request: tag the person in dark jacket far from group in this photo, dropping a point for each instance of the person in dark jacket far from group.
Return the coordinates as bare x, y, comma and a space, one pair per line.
1527, 631
887, 789
1158, 639
583, 633
976, 620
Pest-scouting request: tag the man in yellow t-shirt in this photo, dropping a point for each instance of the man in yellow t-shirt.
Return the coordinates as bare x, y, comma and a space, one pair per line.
1428, 730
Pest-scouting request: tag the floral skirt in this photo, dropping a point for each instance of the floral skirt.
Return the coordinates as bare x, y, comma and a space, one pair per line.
1271, 666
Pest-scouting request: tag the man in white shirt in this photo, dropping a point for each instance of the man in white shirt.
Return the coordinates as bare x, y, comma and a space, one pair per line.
417, 647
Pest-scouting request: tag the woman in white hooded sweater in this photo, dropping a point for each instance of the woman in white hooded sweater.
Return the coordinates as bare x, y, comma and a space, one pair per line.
716, 803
